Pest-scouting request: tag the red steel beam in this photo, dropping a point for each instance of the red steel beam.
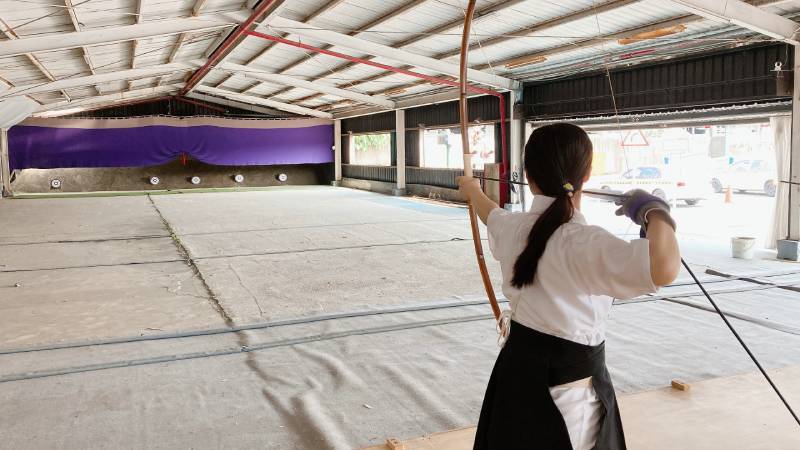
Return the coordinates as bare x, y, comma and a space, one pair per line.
226, 45
354, 59
432, 79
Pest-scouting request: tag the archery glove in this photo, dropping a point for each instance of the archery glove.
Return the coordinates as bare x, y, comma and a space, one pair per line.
639, 204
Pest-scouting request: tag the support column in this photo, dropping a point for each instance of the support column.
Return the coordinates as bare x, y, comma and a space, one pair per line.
516, 149
5, 171
337, 152
794, 175
400, 133
789, 249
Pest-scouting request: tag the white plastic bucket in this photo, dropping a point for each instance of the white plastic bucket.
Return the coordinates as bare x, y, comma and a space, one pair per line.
743, 247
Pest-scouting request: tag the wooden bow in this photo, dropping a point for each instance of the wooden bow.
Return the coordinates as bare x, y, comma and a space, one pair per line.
464, 116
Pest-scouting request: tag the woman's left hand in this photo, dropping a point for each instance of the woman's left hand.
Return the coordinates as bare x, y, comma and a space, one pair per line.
471, 189
468, 186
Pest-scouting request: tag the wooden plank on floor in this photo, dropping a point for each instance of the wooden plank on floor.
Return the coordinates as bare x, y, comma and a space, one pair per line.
455, 439
738, 412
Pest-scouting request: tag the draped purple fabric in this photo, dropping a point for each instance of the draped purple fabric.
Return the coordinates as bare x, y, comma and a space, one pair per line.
77, 143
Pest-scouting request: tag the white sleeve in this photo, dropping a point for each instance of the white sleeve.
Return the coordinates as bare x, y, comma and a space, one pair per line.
607, 265
497, 225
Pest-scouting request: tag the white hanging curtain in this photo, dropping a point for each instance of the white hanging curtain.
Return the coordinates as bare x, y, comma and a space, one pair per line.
782, 132
15, 110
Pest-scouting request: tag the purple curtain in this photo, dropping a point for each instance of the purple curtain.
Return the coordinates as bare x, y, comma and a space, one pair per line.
139, 142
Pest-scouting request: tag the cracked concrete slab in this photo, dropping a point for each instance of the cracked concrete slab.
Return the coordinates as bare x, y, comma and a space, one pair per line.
293, 284
85, 254
50, 306
56, 219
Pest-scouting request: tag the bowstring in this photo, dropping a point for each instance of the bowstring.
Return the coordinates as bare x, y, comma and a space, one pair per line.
490, 63
684, 263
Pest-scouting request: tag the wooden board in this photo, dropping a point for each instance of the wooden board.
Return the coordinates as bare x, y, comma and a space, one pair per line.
448, 440
732, 413
739, 412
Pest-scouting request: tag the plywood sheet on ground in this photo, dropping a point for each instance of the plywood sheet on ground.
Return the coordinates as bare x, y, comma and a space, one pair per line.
735, 413
460, 439
732, 413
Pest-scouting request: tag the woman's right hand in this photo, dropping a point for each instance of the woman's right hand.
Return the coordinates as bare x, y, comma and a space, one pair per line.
639, 204
652, 213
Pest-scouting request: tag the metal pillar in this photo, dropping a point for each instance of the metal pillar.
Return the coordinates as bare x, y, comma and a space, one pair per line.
337, 152
516, 149
789, 248
5, 171
400, 139
794, 165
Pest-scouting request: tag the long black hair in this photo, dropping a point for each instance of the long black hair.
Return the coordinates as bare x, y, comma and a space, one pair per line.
557, 159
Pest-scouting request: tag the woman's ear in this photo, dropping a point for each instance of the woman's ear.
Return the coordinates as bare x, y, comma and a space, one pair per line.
533, 187
588, 175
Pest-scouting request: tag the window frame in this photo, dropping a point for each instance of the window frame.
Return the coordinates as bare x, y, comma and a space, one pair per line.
351, 148
424, 129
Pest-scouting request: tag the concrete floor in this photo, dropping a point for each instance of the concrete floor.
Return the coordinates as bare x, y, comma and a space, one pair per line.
90, 269
264, 256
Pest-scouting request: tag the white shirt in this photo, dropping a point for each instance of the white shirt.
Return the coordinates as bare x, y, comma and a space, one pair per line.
582, 270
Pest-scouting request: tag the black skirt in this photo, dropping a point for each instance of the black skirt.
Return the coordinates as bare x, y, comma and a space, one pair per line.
518, 411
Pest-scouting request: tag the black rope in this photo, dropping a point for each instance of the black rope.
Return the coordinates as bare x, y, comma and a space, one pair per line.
501, 181
738, 338
721, 314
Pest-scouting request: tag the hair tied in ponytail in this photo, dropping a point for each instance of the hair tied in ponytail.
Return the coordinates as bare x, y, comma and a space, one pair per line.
557, 159
570, 189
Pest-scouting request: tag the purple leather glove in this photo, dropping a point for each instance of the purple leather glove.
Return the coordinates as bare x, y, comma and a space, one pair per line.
639, 204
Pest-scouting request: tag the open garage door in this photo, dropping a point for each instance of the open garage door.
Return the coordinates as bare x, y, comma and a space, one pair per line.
720, 179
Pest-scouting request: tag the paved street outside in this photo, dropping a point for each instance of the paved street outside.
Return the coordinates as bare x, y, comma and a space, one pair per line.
712, 222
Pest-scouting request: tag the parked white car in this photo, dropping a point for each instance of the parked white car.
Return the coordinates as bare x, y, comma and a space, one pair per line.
753, 175
654, 180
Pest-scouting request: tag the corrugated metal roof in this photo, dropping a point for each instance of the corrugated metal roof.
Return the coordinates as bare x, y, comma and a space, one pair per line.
430, 28
104, 13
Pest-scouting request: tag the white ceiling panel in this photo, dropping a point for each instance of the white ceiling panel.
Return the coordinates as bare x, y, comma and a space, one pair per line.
415, 26
104, 13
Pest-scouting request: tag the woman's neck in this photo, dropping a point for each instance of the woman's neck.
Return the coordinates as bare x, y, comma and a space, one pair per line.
576, 198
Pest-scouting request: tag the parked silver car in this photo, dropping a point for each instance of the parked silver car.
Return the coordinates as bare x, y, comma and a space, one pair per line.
656, 181
748, 175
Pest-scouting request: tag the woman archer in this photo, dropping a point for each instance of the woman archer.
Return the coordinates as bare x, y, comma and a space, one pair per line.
550, 388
